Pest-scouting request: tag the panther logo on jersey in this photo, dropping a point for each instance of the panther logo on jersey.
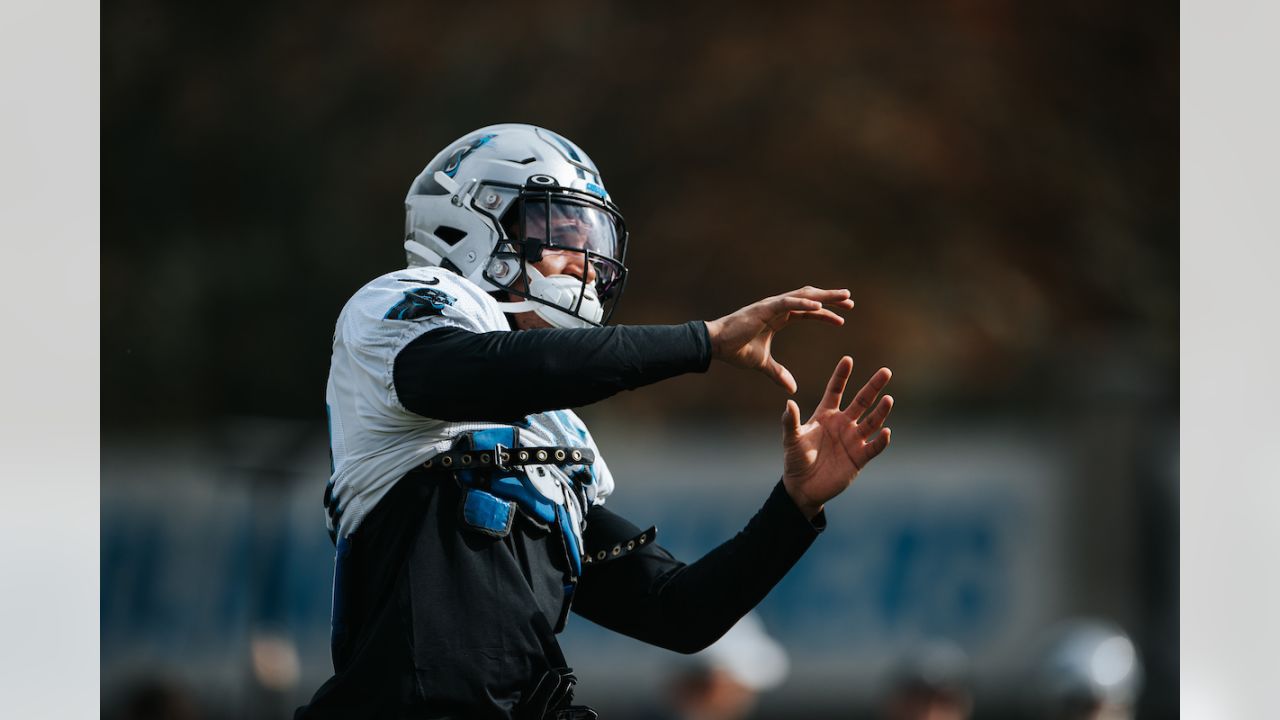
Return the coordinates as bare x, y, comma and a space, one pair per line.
419, 303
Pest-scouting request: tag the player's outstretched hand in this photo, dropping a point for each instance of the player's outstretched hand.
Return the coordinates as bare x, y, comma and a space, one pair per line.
822, 456
745, 338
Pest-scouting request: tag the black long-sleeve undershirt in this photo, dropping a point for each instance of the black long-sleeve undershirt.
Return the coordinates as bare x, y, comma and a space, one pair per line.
649, 594
653, 597
504, 376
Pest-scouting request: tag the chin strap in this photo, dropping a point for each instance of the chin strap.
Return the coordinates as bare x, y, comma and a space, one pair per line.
522, 306
555, 316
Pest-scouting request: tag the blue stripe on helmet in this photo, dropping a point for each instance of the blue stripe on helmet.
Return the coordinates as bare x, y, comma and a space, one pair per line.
573, 152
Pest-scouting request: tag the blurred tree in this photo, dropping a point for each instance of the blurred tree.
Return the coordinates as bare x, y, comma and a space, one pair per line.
996, 182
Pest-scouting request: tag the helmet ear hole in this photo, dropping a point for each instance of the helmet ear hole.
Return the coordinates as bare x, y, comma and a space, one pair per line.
451, 235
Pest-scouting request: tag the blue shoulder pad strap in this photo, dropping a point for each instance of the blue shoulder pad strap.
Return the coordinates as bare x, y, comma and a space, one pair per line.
513, 484
519, 488
488, 514
486, 440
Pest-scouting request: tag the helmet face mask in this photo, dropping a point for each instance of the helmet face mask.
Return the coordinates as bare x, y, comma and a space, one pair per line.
502, 199
545, 221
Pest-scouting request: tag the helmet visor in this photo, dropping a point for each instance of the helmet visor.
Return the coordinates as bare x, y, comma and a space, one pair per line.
550, 222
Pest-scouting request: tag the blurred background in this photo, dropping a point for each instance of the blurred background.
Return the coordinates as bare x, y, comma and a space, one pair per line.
996, 182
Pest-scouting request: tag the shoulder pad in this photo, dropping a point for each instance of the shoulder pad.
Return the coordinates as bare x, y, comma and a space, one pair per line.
435, 296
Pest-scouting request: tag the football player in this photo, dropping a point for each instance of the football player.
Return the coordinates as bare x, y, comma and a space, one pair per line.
466, 499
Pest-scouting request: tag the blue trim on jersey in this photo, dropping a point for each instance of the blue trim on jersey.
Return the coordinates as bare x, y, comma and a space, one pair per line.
335, 511
328, 426
338, 617
570, 540
566, 422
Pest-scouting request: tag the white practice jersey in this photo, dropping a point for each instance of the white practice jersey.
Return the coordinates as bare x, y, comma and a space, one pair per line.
375, 440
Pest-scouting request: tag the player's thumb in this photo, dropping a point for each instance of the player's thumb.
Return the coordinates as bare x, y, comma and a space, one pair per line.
780, 375
791, 419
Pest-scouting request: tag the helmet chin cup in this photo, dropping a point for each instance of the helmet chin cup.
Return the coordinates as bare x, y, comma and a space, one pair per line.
560, 305
561, 319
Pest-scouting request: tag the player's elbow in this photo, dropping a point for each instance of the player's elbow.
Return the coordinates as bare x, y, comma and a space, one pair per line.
690, 642
689, 648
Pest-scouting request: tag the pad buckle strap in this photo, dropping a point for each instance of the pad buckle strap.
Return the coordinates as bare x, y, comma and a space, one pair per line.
501, 457
504, 458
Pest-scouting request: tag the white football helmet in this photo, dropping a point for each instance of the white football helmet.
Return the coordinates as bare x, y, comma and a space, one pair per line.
491, 203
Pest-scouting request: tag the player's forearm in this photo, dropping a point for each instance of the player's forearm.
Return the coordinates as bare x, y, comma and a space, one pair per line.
707, 597
452, 374
655, 598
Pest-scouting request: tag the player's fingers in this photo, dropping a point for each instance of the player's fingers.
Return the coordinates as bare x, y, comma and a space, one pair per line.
836, 385
876, 445
791, 419
780, 375
828, 297
777, 322
840, 301
875, 420
787, 303
823, 315
862, 401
